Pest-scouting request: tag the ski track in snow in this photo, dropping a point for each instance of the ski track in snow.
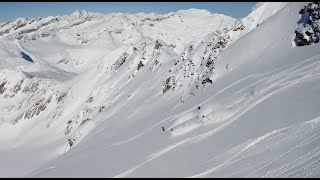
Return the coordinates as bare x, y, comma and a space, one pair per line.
294, 163
43, 170
151, 157
283, 154
272, 77
280, 79
98, 59
253, 143
140, 134
261, 92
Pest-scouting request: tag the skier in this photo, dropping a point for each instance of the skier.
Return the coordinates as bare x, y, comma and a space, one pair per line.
181, 99
163, 129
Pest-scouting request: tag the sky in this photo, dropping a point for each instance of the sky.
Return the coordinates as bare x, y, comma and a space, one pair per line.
12, 10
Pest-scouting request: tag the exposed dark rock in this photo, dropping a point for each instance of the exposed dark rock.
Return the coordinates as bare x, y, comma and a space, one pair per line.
85, 120
101, 108
90, 99
61, 97
20, 25
71, 141
308, 31
63, 60
120, 61
68, 129
49, 22
190, 48
35, 109
27, 31
169, 84
31, 87
2, 88
239, 26
207, 80
157, 45
167, 88
17, 87
140, 65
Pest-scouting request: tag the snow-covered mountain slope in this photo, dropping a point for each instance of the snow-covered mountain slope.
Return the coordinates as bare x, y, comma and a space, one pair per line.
92, 99
260, 12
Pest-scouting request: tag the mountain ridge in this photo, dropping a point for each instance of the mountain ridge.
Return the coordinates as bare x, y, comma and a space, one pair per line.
147, 95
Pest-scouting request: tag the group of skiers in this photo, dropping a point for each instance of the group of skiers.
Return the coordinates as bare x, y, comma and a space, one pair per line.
172, 129
165, 130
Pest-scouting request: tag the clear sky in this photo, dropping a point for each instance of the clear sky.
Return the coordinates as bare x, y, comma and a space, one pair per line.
13, 10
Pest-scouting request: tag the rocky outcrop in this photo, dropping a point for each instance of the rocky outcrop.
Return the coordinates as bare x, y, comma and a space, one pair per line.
308, 31
2, 87
170, 84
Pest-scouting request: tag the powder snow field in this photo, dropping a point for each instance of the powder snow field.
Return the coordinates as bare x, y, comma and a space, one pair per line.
235, 99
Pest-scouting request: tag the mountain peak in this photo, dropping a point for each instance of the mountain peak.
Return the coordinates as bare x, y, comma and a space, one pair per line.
79, 14
194, 10
259, 4
84, 14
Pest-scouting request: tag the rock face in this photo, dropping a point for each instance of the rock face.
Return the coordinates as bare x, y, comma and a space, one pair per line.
308, 31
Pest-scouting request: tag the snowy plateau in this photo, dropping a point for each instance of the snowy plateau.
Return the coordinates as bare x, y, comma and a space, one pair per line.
190, 93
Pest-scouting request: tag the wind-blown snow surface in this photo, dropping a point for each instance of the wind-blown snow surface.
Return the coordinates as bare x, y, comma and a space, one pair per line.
107, 86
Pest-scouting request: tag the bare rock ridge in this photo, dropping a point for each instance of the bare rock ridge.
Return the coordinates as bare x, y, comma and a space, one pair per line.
308, 31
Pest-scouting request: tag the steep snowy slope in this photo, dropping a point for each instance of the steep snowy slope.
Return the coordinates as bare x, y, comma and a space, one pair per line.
260, 12
232, 104
57, 73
